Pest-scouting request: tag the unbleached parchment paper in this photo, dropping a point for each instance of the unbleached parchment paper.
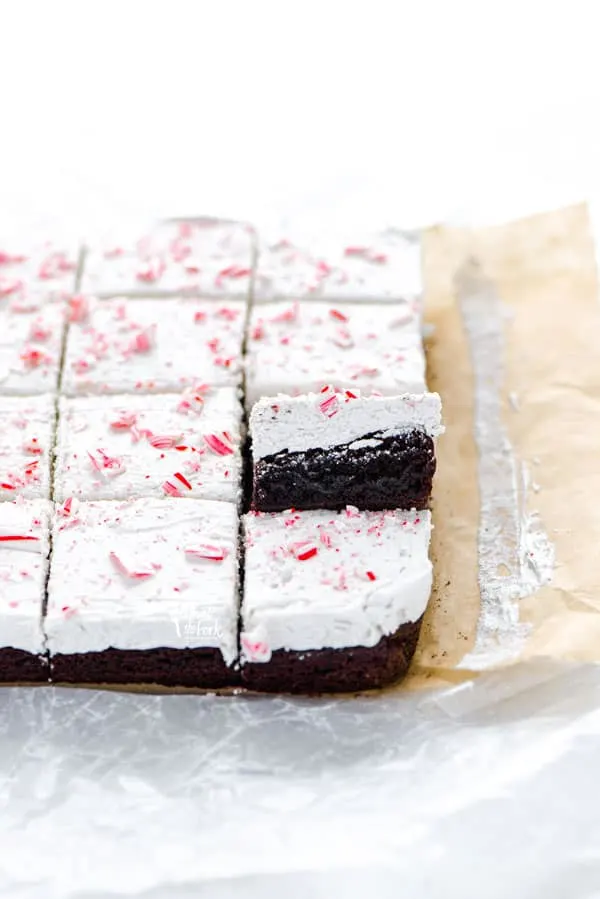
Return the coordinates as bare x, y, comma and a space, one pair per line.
517, 365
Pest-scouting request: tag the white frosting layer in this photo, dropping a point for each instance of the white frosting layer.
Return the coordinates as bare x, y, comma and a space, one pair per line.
380, 267
154, 346
369, 575
297, 424
209, 258
120, 447
23, 570
26, 433
30, 345
130, 576
36, 270
297, 348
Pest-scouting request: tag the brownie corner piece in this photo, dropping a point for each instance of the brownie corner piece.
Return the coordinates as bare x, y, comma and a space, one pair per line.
350, 670
333, 601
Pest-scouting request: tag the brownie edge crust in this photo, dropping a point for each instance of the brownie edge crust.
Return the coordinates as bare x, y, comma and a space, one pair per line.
18, 666
336, 670
202, 668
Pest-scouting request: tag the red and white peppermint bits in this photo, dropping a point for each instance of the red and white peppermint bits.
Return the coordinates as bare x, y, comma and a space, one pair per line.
209, 552
288, 315
8, 287
343, 338
222, 444
164, 441
183, 480
369, 254
171, 489
78, 308
16, 538
328, 402
133, 574
34, 358
144, 341
107, 466
304, 550
151, 271
54, 265
124, 421
337, 315
32, 447
193, 401
63, 510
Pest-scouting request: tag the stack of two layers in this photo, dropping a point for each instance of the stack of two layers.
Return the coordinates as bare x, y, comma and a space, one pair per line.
343, 430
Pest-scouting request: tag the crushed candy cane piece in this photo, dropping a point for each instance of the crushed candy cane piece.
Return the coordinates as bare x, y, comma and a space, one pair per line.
132, 574
78, 308
183, 480
170, 489
329, 405
124, 422
222, 444
208, 551
304, 550
164, 441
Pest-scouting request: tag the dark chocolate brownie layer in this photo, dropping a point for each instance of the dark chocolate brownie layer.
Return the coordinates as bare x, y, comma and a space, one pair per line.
18, 666
394, 474
165, 666
336, 670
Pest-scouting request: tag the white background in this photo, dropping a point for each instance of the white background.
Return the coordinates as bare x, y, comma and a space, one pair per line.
316, 111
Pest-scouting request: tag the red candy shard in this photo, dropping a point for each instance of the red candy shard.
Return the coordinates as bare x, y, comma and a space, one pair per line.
304, 550
329, 405
183, 480
139, 575
151, 271
78, 308
222, 444
170, 489
335, 313
164, 441
33, 358
144, 341
209, 551
124, 422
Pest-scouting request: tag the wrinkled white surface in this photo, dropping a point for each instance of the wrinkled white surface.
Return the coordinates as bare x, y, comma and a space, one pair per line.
485, 790
301, 115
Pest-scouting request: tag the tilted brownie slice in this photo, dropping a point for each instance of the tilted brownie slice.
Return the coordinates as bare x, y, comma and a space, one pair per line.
332, 601
338, 448
24, 547
144, 592
169, 444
